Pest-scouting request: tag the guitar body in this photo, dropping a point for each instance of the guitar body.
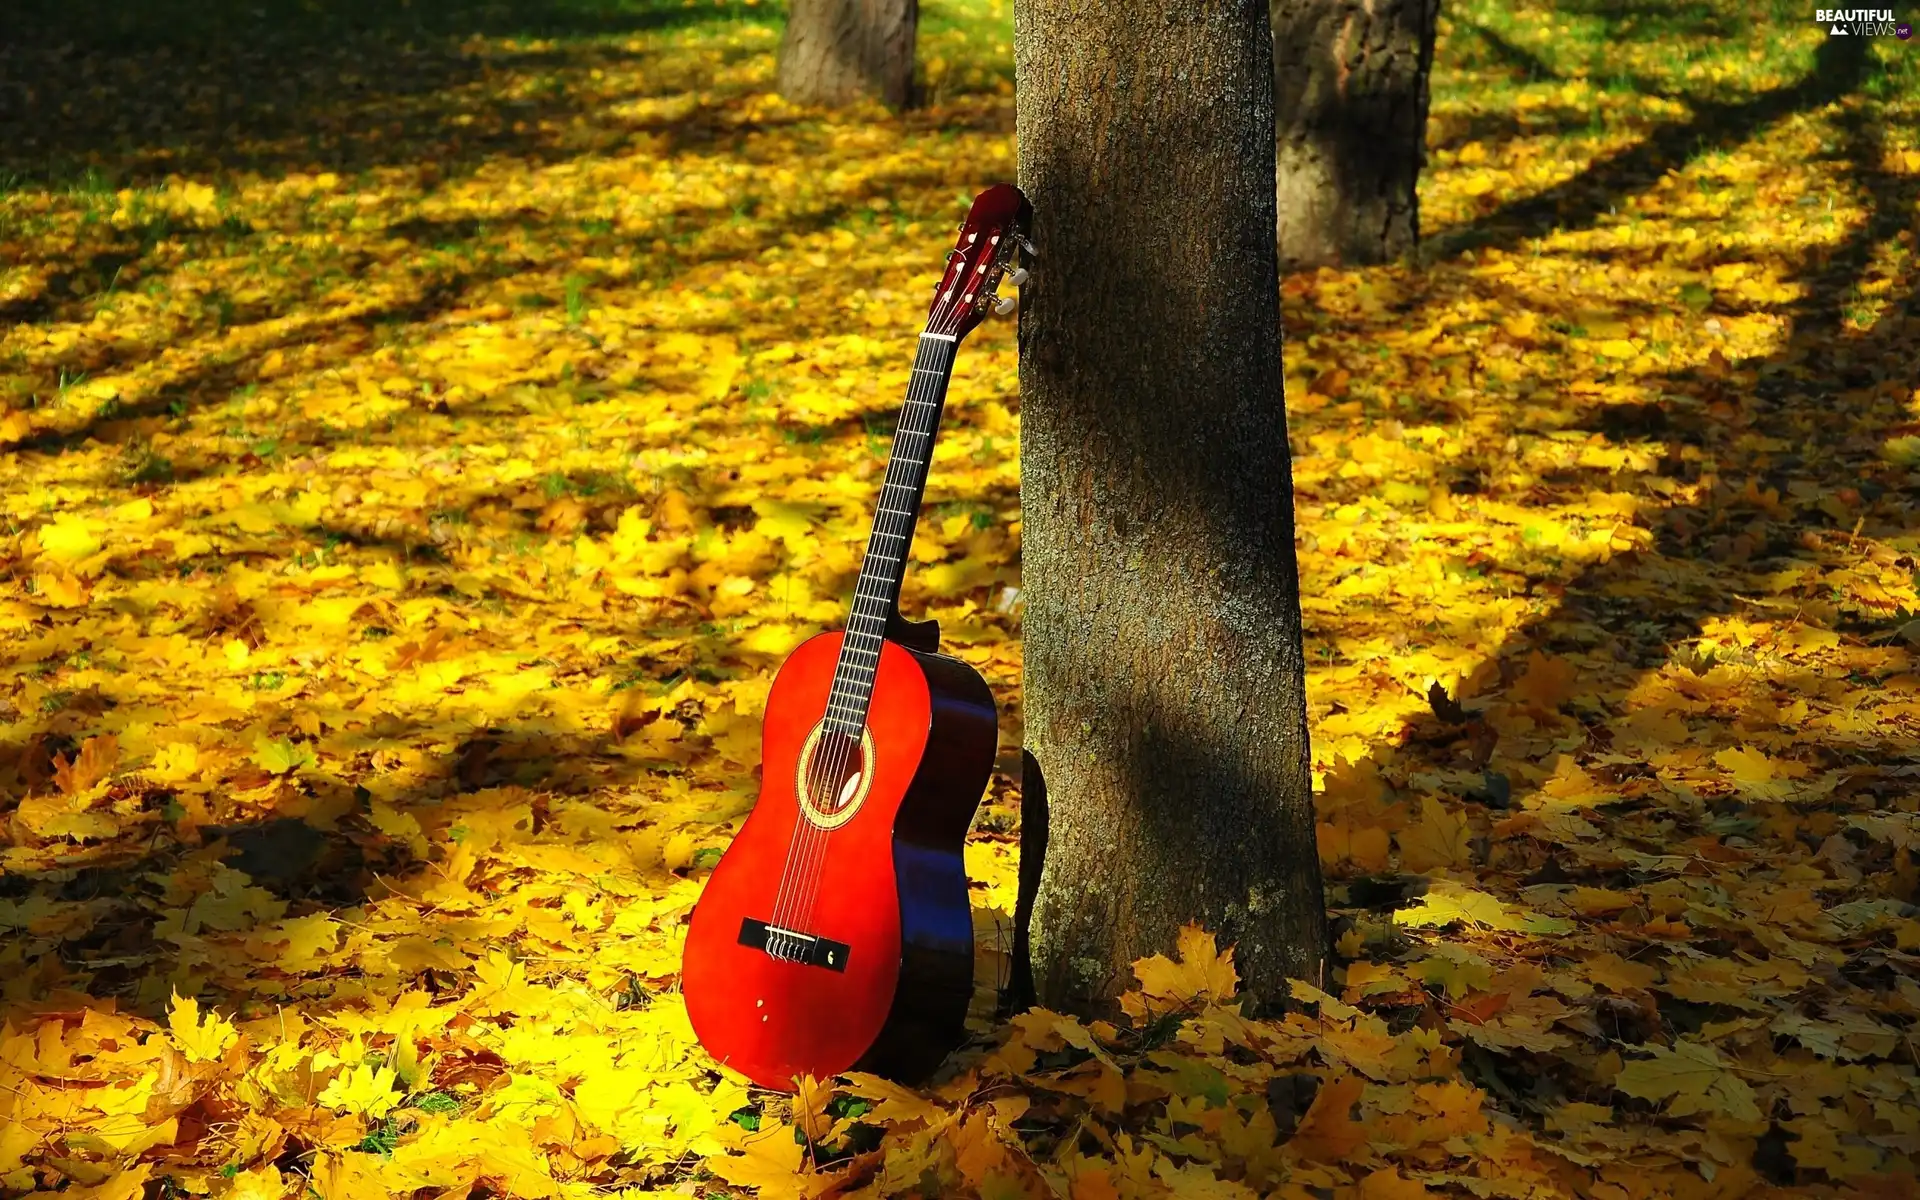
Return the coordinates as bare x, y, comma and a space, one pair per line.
871, 907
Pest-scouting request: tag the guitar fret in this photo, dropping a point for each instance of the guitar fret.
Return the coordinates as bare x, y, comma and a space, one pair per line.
897, 512
942, 337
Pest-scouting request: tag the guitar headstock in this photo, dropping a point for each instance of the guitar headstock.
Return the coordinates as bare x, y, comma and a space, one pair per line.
992, 240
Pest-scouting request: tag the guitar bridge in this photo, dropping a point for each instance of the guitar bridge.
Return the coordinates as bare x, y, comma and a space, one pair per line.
793, 946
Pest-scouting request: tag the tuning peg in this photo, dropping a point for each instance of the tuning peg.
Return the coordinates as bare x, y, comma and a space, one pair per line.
1026, 245
1018, 276
1005, 305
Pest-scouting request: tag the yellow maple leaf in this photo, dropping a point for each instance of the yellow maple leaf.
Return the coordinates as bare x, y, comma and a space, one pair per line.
736, 735
348, 1176
810, 1102
1439, 839
1202, 973
281, 756
793, 524
1598, 902
16, 1140
127, 1184
1690, 1078
364, 1089
1199, 1181
1618, 974
1092, 1183
201, 1039
68, 539
1759, 775
1328, 1132
60, 589
1447, 902
260, 1183
176, 762
892, 1104
1456, 969
501, 986
95, 762
1365, 846
1548, 683
58, 815
772, 1162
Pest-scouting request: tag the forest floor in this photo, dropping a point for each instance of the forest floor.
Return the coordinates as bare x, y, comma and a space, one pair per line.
427, 425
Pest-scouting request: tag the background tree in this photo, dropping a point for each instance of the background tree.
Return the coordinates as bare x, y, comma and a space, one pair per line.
1164, 682
838, 51
1350, 101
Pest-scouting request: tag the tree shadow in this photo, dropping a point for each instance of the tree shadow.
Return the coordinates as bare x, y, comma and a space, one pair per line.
1840, 66
1783, 403
106, 95
1814, 411
121, 902
231, 357
1519, 61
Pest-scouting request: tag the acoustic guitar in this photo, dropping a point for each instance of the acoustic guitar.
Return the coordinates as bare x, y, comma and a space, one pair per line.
835, 933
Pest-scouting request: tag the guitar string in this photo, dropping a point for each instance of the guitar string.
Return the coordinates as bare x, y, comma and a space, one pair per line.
819, 839
793, 907
810, 842
823, 769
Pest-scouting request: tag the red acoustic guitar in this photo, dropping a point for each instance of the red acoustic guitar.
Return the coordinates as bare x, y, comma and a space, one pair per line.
835, 933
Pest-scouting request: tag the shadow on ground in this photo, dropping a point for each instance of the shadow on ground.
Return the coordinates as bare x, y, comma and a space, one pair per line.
102, 95
1816, 411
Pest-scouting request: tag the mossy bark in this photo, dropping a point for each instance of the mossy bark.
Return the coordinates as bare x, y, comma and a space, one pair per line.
1350, 98
1164, 692
838, 51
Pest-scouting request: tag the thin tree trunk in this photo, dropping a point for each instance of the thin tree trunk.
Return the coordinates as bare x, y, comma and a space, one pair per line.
1350, 97
1164, 692
839, 51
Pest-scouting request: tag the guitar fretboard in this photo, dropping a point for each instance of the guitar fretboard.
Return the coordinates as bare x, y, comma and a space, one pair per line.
878, 590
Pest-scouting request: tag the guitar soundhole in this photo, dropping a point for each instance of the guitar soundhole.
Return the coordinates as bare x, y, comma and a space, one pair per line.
839, 768
833, 778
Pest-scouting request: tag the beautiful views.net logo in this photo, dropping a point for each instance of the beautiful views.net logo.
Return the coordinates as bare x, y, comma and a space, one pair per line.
1863, 22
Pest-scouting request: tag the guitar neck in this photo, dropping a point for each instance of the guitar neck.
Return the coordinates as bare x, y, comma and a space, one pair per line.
876, 595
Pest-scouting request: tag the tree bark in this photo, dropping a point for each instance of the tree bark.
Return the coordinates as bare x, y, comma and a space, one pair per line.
838, 51
1350, 97
1164, 691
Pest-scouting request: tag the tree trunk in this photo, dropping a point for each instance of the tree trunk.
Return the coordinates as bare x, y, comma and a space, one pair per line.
1350, 97
1164, 692
839, 51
